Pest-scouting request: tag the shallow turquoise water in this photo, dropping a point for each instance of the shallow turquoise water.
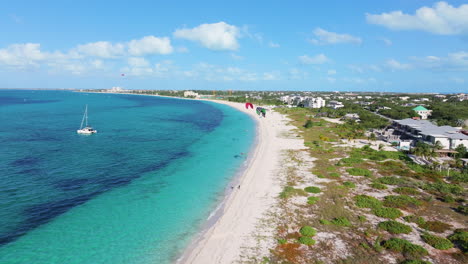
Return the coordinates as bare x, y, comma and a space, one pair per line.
136, 192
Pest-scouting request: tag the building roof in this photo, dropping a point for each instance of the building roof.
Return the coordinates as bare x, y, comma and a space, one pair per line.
420, 108
427, 128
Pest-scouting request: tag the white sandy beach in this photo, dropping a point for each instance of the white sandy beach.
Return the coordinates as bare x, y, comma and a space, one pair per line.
244, 207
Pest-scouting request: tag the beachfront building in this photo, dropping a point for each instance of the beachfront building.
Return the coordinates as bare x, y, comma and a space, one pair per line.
422, 111
314, 102
449, 137
190, 94
335, 104
116, 89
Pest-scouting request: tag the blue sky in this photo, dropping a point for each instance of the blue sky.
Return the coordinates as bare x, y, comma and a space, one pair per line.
398, 45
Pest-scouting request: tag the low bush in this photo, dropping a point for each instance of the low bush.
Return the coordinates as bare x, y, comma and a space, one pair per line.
435, 226
386, 212
282, 241
406, 190
362, 218
460, 239
448, 199
414, 219
462, 209
349, 184
445, 188
341, 221
312, 200
391, 180
333, 175
308, 231
351, 161
365, 201
306, 241
415, 261
408, 249
401, 201
325, 222
289, 191
437, 241
359, 172
394, 227
312, 189
378, 186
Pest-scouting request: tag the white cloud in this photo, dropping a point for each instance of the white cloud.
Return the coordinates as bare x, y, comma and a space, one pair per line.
317, 59
331, 72
395, 65
442, 18
386, 41
457, 61
209, 72
331, 79
27, 55
216, 36
103, 49
457, 80
324, 37
273, 45
297, 74
236, 57
150, 45
137, 62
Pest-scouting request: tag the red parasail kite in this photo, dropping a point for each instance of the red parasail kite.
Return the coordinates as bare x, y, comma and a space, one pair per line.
247, 105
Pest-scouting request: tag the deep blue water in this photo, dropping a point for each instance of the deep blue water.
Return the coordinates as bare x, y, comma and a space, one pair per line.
135, 192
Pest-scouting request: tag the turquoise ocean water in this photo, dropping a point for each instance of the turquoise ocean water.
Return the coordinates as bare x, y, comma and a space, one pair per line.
136, 192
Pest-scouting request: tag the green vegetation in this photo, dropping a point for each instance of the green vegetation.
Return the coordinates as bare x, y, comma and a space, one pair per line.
290, 191
325, 222
394, 227
349, 184
282, 241
415, 261
437, 242
307, 241
460, 239
444, 188
435, 226
365, 201
308, 231
362, 218
308, 124
463, 209
407, 248
312, 189
312, 200
391, 180
378, 186
333, 175
359, 172
341, 221
386, 212
401, 201
414, 219
406, 190
350, 161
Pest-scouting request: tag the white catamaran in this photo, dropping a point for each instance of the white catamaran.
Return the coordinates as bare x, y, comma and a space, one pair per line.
87, 129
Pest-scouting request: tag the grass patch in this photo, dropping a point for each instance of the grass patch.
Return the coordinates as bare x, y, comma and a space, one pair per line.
414, 219
386, 212
437, 242
435, 226
462, 209
359, 172
334, 175
349, 184
365, 201
415, 261
308, 231
405, 247
394, 227
325, 222
378, 186
460, 239
350, 161
406, 190
307, 241
341, 221
290, 191
312, 189
312, 200
444, 188
391, 180
400, 201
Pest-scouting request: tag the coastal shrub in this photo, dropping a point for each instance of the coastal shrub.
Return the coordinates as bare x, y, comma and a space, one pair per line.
325, 222
387, 212
445, 188
333, 175
406, 190
401, 201
351, 161
378, 186
359, 172
362, 218
414, 219
341, 221
308, 123
437, 241
435, 226
312, 189
408, 249
457, 177
365, 201
282, 241
289, 191
460, 239
306, 241
349, 184
391, 180
448, 199
394, 227
312, 200
462, 209
415, 261
308, 231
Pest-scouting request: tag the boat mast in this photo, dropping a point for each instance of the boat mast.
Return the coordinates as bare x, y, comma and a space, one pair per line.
86, 113
84, 116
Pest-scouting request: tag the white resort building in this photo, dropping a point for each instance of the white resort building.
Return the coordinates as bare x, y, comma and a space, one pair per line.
422, 111
190, 94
